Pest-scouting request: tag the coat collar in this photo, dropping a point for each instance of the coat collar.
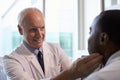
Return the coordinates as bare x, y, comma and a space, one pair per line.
22, 50
30, 57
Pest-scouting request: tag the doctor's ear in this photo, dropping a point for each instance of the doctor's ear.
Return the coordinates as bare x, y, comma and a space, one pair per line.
20, 29
104, 38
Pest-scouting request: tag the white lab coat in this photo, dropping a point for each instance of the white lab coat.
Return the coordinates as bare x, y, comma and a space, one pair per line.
21, 64
2, 73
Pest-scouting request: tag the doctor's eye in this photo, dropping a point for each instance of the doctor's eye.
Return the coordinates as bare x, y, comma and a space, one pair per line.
33, 30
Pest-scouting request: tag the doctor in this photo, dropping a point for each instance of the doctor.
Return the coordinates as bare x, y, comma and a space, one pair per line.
22, 63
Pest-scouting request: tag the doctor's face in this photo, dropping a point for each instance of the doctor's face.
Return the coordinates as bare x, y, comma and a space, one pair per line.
33, 30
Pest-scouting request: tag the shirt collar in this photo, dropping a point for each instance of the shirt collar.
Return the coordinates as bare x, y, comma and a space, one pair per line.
115, 55
37, 50
33, 50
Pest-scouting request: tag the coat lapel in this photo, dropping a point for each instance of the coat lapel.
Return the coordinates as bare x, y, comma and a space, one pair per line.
33, 61
47, 55
31, 58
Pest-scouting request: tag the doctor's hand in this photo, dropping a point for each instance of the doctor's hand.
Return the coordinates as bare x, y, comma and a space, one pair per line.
81, 68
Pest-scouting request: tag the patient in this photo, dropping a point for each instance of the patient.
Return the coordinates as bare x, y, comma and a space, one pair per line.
105, 40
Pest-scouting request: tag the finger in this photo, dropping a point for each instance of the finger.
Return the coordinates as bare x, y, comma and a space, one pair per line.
92, 66
94, 60
89, 58
79, 59
90, 70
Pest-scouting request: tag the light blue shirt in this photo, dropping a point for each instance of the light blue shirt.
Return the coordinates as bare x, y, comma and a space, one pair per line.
33, 50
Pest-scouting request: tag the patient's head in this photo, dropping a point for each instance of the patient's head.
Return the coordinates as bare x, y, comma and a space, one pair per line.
104, 34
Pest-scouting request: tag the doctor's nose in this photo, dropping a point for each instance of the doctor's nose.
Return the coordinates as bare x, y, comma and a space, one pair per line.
39, 32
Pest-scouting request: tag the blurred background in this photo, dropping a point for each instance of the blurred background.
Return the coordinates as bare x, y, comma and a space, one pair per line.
67, 22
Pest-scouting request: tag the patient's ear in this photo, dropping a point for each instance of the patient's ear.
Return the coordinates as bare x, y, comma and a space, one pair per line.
20, 29
104, 38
